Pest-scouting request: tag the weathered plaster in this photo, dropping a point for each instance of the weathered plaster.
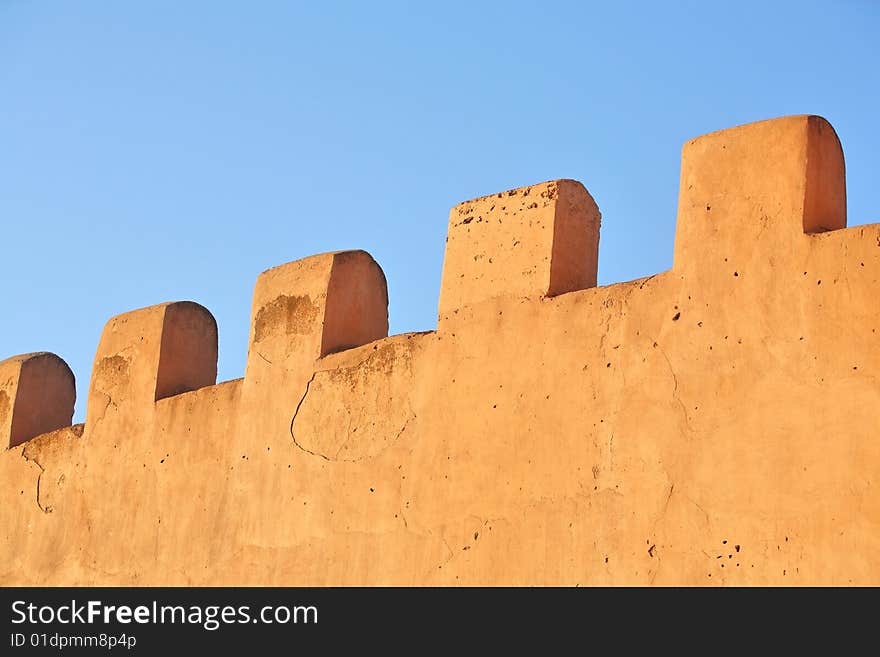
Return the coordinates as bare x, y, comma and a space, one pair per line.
716, 423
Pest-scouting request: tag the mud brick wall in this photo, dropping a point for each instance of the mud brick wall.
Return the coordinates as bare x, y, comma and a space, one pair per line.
717, 423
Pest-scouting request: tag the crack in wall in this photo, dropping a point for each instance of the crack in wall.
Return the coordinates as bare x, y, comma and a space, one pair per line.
656, 570
109, 403
663, 510
702, 510
335, 457
361, 458
296, 412
445, 561
654, 551
675, 396
44, 509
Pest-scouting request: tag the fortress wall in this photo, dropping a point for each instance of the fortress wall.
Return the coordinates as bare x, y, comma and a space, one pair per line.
712, 424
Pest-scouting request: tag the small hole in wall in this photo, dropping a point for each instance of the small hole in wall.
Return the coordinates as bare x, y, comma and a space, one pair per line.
676, 317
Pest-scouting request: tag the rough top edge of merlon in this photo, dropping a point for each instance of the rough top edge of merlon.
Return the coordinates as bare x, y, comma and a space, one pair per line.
533, 241
513, 191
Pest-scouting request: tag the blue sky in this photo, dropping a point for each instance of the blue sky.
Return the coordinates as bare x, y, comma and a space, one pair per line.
168, 150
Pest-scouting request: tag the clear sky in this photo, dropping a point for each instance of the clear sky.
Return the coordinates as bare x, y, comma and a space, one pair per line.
166, 150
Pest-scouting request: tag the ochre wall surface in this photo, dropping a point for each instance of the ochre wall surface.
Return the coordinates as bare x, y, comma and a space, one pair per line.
712, 424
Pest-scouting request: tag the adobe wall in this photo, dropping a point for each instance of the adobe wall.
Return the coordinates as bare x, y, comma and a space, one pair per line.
712, 424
